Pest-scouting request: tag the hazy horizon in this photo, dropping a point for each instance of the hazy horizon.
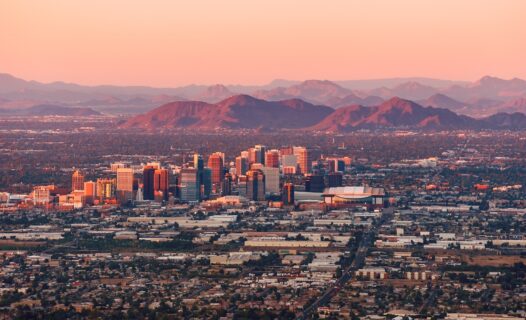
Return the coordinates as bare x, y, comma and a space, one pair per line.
254, 84
165, 44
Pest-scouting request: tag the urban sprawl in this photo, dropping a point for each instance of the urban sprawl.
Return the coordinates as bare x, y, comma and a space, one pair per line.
288, 232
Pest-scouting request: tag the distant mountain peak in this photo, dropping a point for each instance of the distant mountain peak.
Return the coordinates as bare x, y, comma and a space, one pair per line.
318, 82
240, 99
397, 101
214, 93
217, 88
239, 111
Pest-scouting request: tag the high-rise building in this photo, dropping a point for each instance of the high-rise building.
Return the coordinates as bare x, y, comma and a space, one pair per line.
271, 179
304, 159
148, 182
257, 154
124, 184
139, 195
90, 191
314, 183
335, 179
340, 165
286, 151
77, 181
252, 155
256, 165
174, 187
116, 165
260, 153
125, 179
255, 185
106, 188
242, 185
241, 165
190, 185
272, 159
215, 163
222, 155
160, 184
289, 160
287, 194
336, 165
226, 188
198, 161
154, 164
206, 183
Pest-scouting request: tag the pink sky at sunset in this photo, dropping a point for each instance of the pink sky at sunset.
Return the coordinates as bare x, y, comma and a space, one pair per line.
169, 43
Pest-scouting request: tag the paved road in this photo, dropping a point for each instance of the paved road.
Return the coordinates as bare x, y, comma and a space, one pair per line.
356, 264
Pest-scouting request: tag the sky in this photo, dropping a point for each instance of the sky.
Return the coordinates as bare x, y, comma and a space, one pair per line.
172, 42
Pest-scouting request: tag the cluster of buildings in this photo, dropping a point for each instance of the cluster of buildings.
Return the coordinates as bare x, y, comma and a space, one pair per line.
270, 233
284, 177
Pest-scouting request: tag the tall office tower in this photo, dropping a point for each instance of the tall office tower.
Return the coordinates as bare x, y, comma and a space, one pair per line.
90, 191
252, 156
287, 194
116, 165
241, 165
335, 179
199, 164
286, 151
242, 186
148, 182
154, 164
226, 188
160, 184
339, 165
260, 153
174, 188
190, 187
256, 166
124, 184
289, 160
139, 195
255, 185
332, 165
272, 158
222, 155
205, 183
105, 188
336, 165
245, 154
77, 181
215, 163
271, 179
314, 183
304, 159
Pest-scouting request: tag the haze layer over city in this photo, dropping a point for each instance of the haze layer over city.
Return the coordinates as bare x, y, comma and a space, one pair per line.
263, 160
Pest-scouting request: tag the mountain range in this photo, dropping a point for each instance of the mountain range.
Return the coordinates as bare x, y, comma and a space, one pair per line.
246, 112
236, 112
480, 99
50, 110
